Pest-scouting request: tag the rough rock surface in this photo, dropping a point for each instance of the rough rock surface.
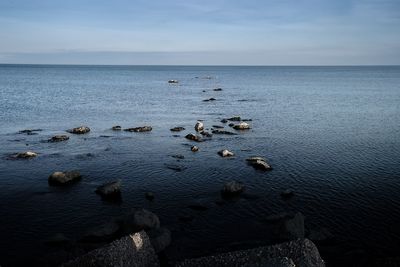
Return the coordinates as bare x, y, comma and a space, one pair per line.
111, 189
62, 178
160, 238
139, 129
301, 253
199, 126
289, 227
194, 148
241, 126
225, 153
58, 138
26, 155
79, 130
134, 251
177, 129
116, 128
193, 137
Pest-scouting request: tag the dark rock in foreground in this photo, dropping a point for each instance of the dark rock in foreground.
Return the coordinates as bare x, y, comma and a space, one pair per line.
159, 238
301, 252
139, 129
134, 250
63, 178
139, 220
177, 129
149, 196
289, 227
232, 188
79, 130
193, 137
59, 138
110, 190
103, 232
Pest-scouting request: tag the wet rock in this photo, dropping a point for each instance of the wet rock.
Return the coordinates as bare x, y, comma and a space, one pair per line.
289, 228
288, 193
58, 138
139, 129
116, 128
26, 155
320, 235
223, 132
58, 239
199, 126
174, 167
193, 137
224, 120
194, 148
241, 126
63, 178
247, 120
79, 130
178, 156
206, 134
259, 163
149, 196
231, 124
103, 232
173, 81
232, 188
209, 99
218, 126
139, 220
110, 190
217, 89
30, 131
177, 129
225, 153
159, 238
235, 118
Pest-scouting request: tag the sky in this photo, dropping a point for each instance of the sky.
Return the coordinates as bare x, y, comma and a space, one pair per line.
200, 32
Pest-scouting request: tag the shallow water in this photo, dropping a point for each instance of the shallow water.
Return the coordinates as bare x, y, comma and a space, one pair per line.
331, 134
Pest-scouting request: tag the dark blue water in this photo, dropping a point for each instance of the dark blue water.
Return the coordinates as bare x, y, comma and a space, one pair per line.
332, 135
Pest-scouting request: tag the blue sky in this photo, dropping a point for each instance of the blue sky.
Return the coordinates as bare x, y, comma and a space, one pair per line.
227, 32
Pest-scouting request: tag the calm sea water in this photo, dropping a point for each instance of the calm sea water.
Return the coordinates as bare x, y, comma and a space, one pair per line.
332, 135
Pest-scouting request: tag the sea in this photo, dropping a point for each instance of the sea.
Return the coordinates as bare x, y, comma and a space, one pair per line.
331, 134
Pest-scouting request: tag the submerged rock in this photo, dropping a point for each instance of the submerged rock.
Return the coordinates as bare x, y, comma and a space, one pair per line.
103, 232
259, 163
26, 155
63, 178
58, 239
234, 118
217, 89
241, 126
159, 238
116, 128
289, 227
223, 132
218, 126
288, 193
175, 167
320, 235
30, 131
209, 99
149, 196
194, 148
177, 129
139, 129
58, 138
79, 130
224, 120
225, 153
110, 190
232, 188
173, 81
138, 220
206, 134
193, 137
199, 126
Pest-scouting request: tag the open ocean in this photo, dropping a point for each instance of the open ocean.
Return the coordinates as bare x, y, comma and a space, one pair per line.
331, 134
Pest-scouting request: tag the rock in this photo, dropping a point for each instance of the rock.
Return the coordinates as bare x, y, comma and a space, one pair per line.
103, 232
290, 228
110, 190
288, 193
139, 220
139, 129
301, 252
223, 132
206, 134
149, 196
194, 148
241, 126
218, 127
159, 238
177, 129
62, 178
178, 156
235, 118
225, 153
224, 120
199, 126
232, 188
79, 130
30, 131
231, 124
186, 218
210, 99
175, 167
217, 89
26, 155
320, 235
193, 137
59, 138
259, 163
116, 128
58, 239
173, 81
133, 250
247, 120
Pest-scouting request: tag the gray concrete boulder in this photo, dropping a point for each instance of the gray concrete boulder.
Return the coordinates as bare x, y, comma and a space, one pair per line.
63, 178
134, 250
79, 130
301, 253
